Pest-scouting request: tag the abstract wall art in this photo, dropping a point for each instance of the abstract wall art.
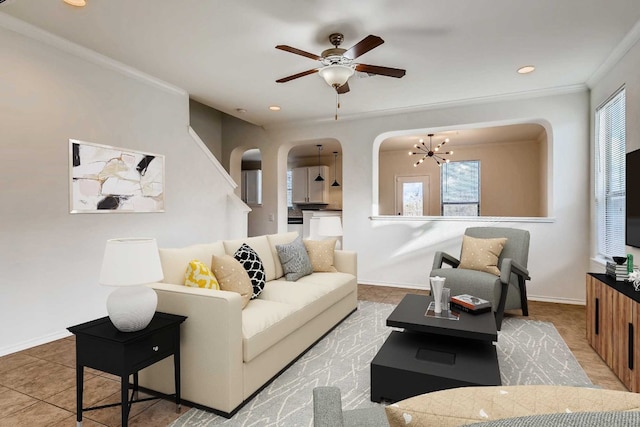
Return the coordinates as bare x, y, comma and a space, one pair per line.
111, 179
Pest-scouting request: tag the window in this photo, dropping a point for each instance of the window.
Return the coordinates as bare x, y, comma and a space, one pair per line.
610, 146
460, 188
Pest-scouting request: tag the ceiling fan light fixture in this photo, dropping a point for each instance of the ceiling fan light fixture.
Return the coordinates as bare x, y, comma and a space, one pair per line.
336, 75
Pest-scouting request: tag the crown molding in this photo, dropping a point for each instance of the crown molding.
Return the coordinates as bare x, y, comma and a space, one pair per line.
18, 26
538, 93
616, 55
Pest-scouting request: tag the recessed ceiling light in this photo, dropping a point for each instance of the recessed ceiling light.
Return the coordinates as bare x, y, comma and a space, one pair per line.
241, 110
526, 69
274, 108
78, 3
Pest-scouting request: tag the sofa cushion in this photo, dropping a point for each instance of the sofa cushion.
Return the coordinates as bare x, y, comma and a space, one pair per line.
321, 254
263, 324
294, 259
260, 244
254, 267
232, 276
280, 239
176, 260
198, 275
481, 254
444, 408
295, 304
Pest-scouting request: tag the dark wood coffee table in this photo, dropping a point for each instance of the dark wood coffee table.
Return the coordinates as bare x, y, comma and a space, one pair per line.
433, 353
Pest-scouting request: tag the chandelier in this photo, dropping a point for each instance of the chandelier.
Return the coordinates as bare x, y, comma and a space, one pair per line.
428, 151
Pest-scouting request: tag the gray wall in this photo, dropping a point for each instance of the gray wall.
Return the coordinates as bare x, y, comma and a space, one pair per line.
207, 122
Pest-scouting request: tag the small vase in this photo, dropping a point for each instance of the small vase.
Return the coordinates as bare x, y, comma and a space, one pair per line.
437, 283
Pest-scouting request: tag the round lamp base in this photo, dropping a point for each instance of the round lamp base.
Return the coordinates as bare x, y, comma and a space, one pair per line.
131, 308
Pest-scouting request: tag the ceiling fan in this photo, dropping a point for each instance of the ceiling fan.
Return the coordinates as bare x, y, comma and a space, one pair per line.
337, 63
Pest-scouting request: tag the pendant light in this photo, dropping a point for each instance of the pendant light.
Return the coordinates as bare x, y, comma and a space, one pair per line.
335, 169
430, 151
319, 178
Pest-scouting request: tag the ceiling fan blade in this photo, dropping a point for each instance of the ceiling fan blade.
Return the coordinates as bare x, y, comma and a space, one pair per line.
363, 46
295, 76
343, 89
383, 71
298, 52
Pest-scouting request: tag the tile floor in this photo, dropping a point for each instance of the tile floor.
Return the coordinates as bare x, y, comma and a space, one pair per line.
37, 386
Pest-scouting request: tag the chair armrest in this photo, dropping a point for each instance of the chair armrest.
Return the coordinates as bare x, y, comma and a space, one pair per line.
327, 407
509, 266
346, 261
443, 257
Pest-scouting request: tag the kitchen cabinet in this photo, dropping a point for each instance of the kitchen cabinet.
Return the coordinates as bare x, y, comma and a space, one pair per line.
613, 326
305, 188
251, 187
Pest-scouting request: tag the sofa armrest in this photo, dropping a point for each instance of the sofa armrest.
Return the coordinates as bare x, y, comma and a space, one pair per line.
210, 346
346, 262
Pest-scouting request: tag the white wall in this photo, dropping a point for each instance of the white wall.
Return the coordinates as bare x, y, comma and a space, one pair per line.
625, 72
399, 251
49, 258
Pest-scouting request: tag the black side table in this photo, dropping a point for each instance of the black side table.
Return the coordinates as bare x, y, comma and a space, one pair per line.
99, 345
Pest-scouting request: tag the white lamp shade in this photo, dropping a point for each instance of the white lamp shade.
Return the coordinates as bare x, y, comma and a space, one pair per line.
131, 262
330, 226
336, 75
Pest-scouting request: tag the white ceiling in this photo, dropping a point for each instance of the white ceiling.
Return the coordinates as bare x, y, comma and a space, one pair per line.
223, 52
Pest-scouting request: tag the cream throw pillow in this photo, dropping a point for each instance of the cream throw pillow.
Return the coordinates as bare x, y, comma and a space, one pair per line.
321, 254
232, 276
481, 254
198, 275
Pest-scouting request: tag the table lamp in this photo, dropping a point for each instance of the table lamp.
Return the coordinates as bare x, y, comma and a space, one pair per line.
330, 226
130, 264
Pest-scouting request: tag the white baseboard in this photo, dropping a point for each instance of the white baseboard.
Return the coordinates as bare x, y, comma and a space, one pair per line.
541, 298
33, 342
556, 300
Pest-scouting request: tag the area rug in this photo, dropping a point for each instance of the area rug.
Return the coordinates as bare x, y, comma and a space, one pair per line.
529, 352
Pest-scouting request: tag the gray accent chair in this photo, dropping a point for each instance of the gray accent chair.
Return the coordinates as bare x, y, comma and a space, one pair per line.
327, 411
505, 292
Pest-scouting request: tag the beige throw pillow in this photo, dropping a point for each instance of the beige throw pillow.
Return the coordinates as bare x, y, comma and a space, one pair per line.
321, 254
481, 254
232, 276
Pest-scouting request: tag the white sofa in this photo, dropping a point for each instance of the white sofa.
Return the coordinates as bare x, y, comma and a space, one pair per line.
228, 354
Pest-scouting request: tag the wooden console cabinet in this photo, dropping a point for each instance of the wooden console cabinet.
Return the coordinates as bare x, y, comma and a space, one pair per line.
613, 326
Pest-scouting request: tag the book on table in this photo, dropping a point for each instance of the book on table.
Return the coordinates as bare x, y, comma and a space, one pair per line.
470, 304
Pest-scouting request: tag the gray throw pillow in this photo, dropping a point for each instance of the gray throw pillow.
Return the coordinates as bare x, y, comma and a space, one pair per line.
294, 259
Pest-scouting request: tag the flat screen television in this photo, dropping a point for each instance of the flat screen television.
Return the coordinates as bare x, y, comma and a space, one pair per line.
632, 197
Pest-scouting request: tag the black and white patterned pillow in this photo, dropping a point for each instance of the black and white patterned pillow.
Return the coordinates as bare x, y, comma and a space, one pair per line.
253, 264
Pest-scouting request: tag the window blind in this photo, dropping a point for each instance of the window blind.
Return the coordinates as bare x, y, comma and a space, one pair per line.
460, 188
610, 176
